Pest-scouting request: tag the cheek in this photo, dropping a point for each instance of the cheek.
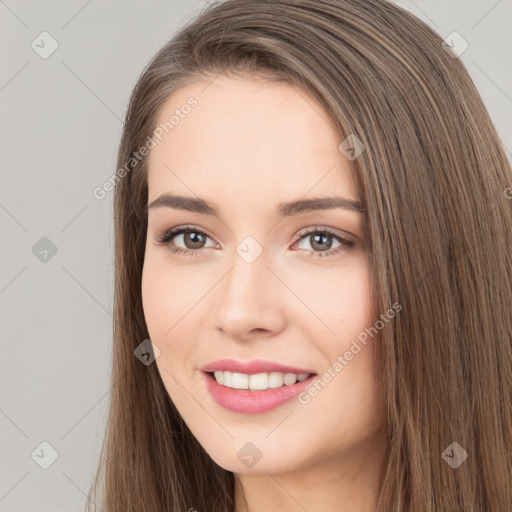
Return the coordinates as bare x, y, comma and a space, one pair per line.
167, 302
162, 306
153, 299
340, 299
171, 304
166, 296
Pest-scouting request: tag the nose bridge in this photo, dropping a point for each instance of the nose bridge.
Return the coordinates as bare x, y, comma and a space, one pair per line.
248, 298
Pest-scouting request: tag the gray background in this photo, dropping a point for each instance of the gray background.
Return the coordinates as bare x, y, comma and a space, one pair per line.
61, 120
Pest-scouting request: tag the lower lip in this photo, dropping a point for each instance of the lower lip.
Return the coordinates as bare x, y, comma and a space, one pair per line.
246, 401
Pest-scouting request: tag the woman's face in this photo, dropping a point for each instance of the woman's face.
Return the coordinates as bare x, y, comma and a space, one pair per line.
255, 279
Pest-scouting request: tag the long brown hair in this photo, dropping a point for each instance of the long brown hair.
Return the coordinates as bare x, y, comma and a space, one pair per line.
433, 179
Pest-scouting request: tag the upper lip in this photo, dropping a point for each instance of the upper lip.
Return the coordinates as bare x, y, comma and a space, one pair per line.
252, 367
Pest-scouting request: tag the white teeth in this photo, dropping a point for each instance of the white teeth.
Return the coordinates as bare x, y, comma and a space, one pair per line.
257, 381
275, 380
290, 378
240, 381
228, 379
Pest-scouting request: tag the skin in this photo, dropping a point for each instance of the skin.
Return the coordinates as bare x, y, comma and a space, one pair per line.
247, 146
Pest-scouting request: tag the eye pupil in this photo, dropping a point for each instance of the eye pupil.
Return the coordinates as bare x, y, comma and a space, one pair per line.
196, 239
321, 241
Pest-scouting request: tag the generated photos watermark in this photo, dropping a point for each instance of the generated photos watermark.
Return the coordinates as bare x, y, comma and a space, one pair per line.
180, 113
344, 359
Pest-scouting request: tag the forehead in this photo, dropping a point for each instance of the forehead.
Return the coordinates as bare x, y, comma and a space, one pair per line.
247, 141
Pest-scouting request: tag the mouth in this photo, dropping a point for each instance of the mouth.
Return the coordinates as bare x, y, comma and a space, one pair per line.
245, 399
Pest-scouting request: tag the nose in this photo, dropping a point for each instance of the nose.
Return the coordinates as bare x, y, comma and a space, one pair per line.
251, 303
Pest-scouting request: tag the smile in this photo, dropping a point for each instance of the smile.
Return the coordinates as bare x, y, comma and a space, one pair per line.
273, 389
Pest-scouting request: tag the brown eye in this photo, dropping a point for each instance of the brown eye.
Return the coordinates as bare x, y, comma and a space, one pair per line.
321, 242
184, 240
194, 239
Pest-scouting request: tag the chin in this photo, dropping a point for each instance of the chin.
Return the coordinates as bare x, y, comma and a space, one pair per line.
252, 458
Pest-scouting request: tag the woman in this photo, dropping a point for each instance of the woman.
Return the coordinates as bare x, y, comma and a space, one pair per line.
313, 270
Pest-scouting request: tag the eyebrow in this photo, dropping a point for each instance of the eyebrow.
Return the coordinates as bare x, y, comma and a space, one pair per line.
288, 209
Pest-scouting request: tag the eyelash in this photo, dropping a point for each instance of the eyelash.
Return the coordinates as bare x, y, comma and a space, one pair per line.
170, 234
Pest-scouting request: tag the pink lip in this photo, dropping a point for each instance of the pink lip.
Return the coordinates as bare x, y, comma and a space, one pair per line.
247, 401
251, 367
